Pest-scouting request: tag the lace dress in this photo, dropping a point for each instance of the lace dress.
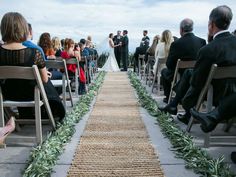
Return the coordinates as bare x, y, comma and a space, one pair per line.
24, 89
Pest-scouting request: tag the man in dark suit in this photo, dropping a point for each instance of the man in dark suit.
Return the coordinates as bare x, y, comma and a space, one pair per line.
220, 51
141, 50
117, 40
184, 48
125, 49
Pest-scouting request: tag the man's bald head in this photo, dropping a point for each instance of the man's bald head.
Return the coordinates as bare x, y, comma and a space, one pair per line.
186, 25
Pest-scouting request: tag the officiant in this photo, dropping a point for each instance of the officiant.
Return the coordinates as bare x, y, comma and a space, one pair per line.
117, 39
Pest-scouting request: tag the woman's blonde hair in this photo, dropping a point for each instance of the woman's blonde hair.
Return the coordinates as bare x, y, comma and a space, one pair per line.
56, 43
167, 38
14, 27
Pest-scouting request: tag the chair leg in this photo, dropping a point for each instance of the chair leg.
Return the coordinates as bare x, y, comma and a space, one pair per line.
38, 122
190, 123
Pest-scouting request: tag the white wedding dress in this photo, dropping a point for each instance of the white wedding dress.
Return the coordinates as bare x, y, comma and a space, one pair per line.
111, 64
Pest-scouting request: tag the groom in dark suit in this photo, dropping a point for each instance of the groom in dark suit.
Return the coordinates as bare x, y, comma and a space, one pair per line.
117, 40
125, 50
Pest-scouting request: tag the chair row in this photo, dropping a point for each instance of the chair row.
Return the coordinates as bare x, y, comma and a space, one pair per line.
215, 73
40, 97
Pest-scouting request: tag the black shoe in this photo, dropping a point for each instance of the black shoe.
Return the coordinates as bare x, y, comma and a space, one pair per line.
169, 109
183, 118
207, 120
233, 156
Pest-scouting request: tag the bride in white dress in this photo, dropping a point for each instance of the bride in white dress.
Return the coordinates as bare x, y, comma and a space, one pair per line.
111, 64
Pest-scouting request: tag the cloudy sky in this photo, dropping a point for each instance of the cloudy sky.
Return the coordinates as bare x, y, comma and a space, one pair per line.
79, 18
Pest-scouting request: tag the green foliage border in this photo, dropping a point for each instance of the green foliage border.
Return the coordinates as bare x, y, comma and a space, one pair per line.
44, 157
195, 157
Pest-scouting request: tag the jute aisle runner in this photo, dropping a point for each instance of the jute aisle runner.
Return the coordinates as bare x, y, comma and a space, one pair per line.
115, 141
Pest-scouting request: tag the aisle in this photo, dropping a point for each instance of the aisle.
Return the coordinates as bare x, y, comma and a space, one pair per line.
115, 141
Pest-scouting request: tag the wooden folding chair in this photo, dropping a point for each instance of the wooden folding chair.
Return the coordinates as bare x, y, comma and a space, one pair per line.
215, 73
148, 69
90, 69
86, 69
141, 65
65, 82
181, 64
77, 73
28, 73
157, 74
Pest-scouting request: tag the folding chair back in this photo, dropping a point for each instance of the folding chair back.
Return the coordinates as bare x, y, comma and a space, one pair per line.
157, 74
140, 65
181, 64
28, 73
77, 73
60, 64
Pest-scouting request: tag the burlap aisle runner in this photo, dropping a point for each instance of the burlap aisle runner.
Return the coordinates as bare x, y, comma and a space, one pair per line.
115, 141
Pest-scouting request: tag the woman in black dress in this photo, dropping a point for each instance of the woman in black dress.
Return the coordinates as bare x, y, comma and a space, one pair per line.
14, 31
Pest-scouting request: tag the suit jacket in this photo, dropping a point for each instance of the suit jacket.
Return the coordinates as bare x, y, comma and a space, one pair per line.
184, 48
220, 51
117, 39
145, 43
125, 44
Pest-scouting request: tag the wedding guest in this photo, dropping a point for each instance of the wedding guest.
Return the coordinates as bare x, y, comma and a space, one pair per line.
28, 43
62, 44
82, 81
220, 51
185, 48
56, 45
141, 50
117, 40
125, 50
89, 40
46, 44
151, 50
163, 48
14, 31
70, 52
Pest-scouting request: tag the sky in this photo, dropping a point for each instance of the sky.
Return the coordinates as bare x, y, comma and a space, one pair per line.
79, 18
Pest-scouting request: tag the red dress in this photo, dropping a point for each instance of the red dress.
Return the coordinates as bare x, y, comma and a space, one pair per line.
70, 67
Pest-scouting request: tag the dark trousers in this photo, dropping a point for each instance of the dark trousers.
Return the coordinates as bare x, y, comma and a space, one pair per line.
226, 107
117, 51
138, 51
166, 78
125, 56
182, 87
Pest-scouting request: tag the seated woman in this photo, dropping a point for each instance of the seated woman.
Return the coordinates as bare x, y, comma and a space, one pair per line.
46, 44
151, 50
163, 47
56, 44
14, 30
70, 52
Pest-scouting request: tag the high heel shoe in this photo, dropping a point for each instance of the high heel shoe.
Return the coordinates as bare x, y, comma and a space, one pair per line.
6, 130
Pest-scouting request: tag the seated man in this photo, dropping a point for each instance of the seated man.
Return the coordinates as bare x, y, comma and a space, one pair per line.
220, 51
141, 50
224, 111
185, 48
